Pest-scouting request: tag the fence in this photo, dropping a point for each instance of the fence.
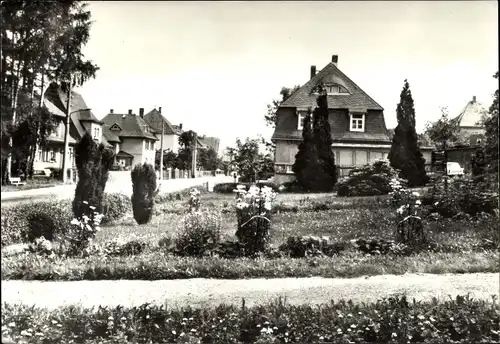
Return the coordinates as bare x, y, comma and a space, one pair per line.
171, 173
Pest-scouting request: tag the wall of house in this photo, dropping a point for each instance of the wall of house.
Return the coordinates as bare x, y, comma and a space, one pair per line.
359, 156
170, 141
286, 151
149, 151
135, 147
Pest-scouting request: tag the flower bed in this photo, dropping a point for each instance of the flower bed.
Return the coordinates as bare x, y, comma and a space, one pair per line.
393, 320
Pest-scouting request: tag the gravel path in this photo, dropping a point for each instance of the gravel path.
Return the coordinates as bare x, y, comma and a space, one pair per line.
196, 292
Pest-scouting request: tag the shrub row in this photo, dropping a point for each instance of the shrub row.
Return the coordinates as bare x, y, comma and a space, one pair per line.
25, 221
369, 180
390, 320
227, 188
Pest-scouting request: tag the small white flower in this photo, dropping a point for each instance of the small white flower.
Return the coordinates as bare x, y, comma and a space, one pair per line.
173, 332
416, 194
25, 333
75, 222
85, 202
394, 335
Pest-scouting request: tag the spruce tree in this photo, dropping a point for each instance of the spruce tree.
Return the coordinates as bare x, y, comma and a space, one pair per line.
306, 166
405, 154
323, 142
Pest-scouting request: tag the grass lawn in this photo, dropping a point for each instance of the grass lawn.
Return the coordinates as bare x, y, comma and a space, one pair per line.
342, 219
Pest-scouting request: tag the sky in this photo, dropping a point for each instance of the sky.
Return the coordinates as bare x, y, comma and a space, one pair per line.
214, 66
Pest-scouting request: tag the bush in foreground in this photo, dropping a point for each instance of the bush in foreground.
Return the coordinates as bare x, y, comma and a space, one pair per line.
227, 188
143, 192
369, 180
115, 206
199, 233
392, 320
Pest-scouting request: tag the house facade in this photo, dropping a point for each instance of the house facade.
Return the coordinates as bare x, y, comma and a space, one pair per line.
357, 122
82, 121
171, 132
470, 123
131, 137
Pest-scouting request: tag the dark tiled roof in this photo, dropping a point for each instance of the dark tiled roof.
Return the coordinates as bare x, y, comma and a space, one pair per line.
357, 99
131, 126
154, 118
124, 154
212, 142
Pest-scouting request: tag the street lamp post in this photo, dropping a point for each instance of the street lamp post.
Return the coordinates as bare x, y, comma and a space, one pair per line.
66, 143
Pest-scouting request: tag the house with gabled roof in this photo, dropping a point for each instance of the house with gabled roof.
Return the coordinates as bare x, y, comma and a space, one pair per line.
171, 132
133, 140
357, 122
82, 121
469, 121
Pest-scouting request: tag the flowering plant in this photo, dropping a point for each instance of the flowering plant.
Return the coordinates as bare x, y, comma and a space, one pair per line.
42, 246
410, 229
194, 200
83, 230
253, 210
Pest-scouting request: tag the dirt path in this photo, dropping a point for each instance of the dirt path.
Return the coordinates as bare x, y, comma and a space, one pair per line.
197, 292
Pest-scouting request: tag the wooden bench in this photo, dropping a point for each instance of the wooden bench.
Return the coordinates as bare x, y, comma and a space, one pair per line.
16, 181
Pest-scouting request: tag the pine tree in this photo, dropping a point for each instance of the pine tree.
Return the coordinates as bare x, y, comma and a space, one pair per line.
323, 142
405, 154
306, 166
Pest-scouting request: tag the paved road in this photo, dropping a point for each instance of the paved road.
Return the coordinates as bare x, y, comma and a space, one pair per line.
199, 292
68, 191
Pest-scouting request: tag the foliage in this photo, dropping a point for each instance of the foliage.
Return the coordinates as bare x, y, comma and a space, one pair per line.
185, 153
82, 231
389, 320
115, 248
491, 125
40, 41
194, 200
24, 222
228, 188
207, 159
323, 142
253, 211
443, 132
93, 162
478, 163
115, 206
170, 159
453, 196
272, 109
405, 155
251, 164
199, 233
410, 228
369, 180
306, 166
143, 192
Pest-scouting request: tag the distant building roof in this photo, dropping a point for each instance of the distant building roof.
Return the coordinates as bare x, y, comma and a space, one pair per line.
471, 115
129, 125
155, 118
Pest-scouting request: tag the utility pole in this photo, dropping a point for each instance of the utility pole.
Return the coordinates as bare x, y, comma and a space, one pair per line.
161, 147
66, 134
193, 163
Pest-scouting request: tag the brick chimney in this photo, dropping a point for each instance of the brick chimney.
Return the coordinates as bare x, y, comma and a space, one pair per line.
473, 99
335, 59
313, 71
159, 109
111, 111
141, 112
129, 112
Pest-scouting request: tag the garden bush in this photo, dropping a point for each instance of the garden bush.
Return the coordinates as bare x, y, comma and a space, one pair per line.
143, 192
253, 212
199, 234
93, 162
311, 246
26, 221
389, 320
370, 180
130, 248
115, 206
227, 188
452, 196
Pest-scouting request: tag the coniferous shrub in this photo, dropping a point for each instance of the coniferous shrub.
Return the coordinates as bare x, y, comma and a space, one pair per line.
323, 141
143, 192
306, 166
405, 155
93, 162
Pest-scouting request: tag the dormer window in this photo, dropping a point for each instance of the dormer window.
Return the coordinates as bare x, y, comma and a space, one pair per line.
115, 127
336, 89
357, 121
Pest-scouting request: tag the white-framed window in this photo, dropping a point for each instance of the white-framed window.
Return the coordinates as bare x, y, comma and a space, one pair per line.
336, 89
357, 122
97, 133
301, 116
